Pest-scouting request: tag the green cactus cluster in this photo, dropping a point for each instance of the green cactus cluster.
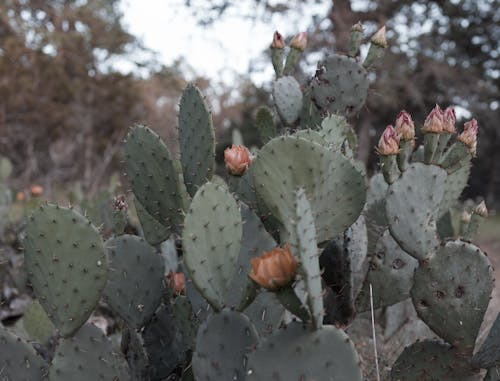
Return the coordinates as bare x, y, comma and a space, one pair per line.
256, 276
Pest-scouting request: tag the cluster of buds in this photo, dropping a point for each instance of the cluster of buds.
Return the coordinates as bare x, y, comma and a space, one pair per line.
274, 269
469, 135
389, 142
405, 128
238, 159
120, 202
439, 121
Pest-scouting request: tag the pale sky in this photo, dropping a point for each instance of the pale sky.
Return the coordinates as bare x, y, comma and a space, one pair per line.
221, 51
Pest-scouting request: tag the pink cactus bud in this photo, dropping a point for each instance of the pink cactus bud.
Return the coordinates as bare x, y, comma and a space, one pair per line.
238, 159
434, 121
389, 142
481, 210
278, 41
299, 42
469, 135
449, 119
379, 38
405, 127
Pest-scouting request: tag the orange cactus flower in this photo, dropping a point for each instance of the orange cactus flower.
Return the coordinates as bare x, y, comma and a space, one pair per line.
177, 281
274, 269
238, 159
20, 196
36, 190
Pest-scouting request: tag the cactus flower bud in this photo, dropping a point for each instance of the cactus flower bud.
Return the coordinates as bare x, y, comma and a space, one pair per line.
238, 159
358, 27
274, 269
379, 38
465, 217
481, 210
299, 42
469, 135
389, 142
434, 121
449, 119
177, 282
278, 41
120, 202
20, 196
36, 190
405, 127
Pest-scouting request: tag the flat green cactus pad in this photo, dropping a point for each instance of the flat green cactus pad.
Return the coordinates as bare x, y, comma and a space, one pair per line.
340, 85
211, 241
265, 125
67, 265
298, 353
390, 274
221, 347
265, 313
136, 279
37, 324
451, 292
432, 361
154, 232
288, 98
154, 178
335, 188
454, 185
88, 355
412, 204
196, 139
18, 359
488, 356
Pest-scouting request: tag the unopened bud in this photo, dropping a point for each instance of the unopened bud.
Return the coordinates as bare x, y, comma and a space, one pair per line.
36, 190
379, 38
278, 41
358, 27
469, 135
238, 159
299, 42
465, 217
120, 202
405, 127
449, 119
481, 210
434, 121
389, 142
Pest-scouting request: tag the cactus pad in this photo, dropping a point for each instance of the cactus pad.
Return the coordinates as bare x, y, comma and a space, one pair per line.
135, 280
431, 360
265, 313
488, 356
390, 274
334, 187
196, 139
334, 130
454, 185
221, 347
340, 85
18, 359
88, 355
298, 353
132, 346
451, 292
412, 203
154, 178
37, 324
66, 263
264, 123
303, 240
288, 98
153, 231
211, 241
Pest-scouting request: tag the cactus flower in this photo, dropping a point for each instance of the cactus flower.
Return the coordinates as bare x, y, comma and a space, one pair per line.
469, 135
177, 282
238, 159
36, 190
481, 210
274, 269
449, 119
379, 38
389, 142
299, 42
405, 127
278, 41
434, 121
20, 196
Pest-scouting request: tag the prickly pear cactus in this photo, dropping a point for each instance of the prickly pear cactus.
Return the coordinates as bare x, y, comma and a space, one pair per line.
288, 98
37, 324
488, 355
67, 265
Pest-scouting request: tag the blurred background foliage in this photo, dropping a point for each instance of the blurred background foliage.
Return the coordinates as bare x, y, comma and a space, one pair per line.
65, 108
